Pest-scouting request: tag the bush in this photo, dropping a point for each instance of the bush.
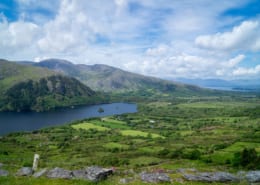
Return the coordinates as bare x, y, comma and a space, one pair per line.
247, 159
194, 155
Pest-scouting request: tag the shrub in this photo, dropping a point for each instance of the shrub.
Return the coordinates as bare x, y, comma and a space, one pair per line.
247, 159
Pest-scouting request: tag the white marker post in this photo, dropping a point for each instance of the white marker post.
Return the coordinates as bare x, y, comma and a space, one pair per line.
35, 162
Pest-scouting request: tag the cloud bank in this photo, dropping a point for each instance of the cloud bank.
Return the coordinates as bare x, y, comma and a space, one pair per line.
169, 39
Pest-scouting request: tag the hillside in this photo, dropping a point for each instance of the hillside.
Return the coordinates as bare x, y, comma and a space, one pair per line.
26, 88
12, 73
110, 79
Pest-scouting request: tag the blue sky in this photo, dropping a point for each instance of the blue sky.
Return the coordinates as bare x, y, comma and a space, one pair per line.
163, 38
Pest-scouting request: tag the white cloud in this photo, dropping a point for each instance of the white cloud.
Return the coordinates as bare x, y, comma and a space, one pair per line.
160, 50
152, 37
246, 36
233, 62
17, 36
247, 71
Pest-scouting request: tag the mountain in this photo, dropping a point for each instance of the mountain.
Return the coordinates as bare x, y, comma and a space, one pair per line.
239, 84
110, 79
26, 88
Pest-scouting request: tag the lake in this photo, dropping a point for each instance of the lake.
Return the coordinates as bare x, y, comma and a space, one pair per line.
29, 121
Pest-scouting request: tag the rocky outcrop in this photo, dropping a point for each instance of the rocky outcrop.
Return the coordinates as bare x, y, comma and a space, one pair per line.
79, 174
211, 177
253, 176
25, 171
40, 173
126, 180
59, 173
155, 177
3, 173
95, 173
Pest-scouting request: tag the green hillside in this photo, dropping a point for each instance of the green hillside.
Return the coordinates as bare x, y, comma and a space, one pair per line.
12, 73
26, 88
110, 79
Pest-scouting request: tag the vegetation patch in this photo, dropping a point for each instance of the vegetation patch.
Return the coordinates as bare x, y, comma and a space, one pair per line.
110, 123
113, 145
88, 126
136, 133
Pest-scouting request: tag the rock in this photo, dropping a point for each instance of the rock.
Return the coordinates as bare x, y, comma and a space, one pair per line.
80, 174
3, 173
155, 177
40, 173
25, 171
96, 173
211, 177
253, 176
125, 180
224, 177
59, 173
184, 170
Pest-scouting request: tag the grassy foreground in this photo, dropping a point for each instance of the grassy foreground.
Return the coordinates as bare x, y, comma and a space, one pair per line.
205, 134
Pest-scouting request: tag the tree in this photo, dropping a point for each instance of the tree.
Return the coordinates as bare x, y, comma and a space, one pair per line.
247, 158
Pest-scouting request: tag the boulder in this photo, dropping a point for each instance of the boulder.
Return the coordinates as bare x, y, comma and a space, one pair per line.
79, 174
59, 173
3, 173
40, 173
95, 173
125, 180
155, 177
211, 177
253, 176
25, 171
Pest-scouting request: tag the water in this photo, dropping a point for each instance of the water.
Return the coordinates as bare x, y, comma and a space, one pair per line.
28, 121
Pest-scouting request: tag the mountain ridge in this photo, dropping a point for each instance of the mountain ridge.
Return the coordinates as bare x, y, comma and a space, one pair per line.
30, 88
101, 77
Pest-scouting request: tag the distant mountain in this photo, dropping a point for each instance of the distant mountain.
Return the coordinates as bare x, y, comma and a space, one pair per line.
110, 79
239, 85
25, 88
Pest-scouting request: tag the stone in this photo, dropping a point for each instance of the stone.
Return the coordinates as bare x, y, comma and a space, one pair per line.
3, 173
79, 174
253, 176
211, 177
224, 177
35, 162
40, 173
59, 173
125, 180
95, 173
155, 177
185, 170
25, 171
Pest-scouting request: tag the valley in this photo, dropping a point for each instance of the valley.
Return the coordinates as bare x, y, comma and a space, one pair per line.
129, 92
178, 131
207, 135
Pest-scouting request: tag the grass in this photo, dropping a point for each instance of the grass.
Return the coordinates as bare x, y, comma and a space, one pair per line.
113, 145
137, 133
110, 123
238, 146
87, 126
144, 161
132, 141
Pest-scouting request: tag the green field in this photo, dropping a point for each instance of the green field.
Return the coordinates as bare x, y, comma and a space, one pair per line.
88, 126
186, 133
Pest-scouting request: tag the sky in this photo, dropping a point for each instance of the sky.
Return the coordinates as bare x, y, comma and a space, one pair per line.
163, 38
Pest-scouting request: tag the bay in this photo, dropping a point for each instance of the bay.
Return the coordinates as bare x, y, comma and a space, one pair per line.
29, 121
